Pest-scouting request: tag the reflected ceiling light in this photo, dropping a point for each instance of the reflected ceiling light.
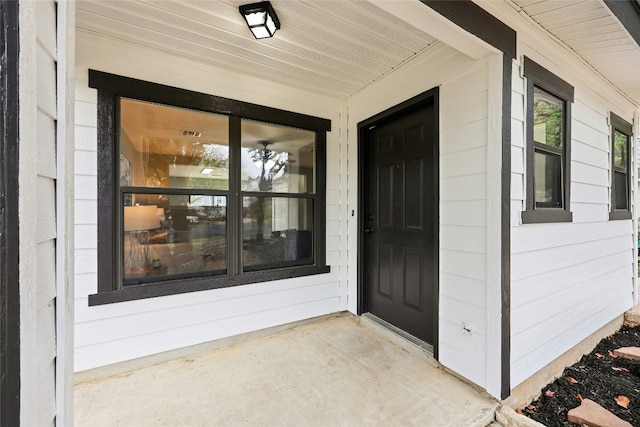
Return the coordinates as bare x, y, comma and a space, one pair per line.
261, 19
206, 171
193, 133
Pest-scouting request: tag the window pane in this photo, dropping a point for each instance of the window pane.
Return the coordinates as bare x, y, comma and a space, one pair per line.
548, 180
276, 230
277, 158
170, 147
620, 187
620, 144
168, 235
548, 119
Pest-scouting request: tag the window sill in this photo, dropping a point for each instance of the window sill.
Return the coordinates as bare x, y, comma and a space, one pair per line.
619, 215
176, 287
546, 216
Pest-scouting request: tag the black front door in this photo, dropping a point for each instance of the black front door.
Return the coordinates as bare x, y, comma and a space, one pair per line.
400, 220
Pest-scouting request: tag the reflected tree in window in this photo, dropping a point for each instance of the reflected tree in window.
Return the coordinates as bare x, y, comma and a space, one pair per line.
272, 165
548, 122
548, 136
213, 156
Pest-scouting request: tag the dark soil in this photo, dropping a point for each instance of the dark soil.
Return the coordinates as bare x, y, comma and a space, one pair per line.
599, 376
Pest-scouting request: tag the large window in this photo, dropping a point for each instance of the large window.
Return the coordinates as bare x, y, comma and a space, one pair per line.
200, 192
548, 146
620, 167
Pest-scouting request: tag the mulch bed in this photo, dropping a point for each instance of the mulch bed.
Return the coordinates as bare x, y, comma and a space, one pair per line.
599, 376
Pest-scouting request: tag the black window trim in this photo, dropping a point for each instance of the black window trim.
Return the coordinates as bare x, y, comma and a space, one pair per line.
110, 88
624, 127
538, 76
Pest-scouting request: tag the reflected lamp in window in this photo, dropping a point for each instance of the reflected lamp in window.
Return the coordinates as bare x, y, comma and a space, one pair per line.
178, 167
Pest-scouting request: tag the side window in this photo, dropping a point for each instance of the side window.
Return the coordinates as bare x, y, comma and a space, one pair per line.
201, 192
620, 168
548, 146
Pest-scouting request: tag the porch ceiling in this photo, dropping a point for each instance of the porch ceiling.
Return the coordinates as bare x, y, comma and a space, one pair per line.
336, 47
591, 30
331, 47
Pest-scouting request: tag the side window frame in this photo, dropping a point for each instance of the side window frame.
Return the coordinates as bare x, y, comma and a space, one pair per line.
110, 89
537, 76
619, 124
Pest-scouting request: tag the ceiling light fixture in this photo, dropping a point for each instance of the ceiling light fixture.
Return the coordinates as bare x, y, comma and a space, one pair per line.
261, 19
193, 133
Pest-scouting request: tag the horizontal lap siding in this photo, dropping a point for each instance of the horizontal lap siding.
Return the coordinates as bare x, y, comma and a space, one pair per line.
568, 279
45, 158
118, 332
463, 222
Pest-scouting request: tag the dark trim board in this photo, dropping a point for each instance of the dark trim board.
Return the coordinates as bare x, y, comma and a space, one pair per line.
107, 248
477, 21
178, 97
505, 229
628, 13
9, 238
178, 286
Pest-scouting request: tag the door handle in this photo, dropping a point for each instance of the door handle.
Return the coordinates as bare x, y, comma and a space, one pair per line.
368, 230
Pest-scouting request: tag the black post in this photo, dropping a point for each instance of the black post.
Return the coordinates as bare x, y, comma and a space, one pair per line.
9, 232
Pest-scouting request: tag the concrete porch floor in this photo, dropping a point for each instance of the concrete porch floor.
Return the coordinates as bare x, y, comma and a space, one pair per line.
337, 371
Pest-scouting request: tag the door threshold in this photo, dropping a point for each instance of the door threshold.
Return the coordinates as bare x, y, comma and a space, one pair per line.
397, 332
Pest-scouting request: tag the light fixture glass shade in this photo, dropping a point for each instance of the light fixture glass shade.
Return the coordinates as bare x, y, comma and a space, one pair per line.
256, 18
271, 26
261, 19
260, 32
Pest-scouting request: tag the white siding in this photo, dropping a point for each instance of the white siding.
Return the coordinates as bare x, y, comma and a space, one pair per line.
463, 109
464, 102
567, 279
46, 209
38, 234
122, 331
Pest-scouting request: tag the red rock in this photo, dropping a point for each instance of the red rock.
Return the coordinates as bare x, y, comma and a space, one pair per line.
591, 414
632, 353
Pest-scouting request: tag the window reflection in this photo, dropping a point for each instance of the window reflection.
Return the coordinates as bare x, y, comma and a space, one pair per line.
276, 158
620, 150
621, 191
548, 180
276, 230
170, 147
548, 118
173, 235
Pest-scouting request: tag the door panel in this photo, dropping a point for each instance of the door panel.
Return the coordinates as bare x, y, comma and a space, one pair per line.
400, 185
413, 276
385, 270
414, 195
